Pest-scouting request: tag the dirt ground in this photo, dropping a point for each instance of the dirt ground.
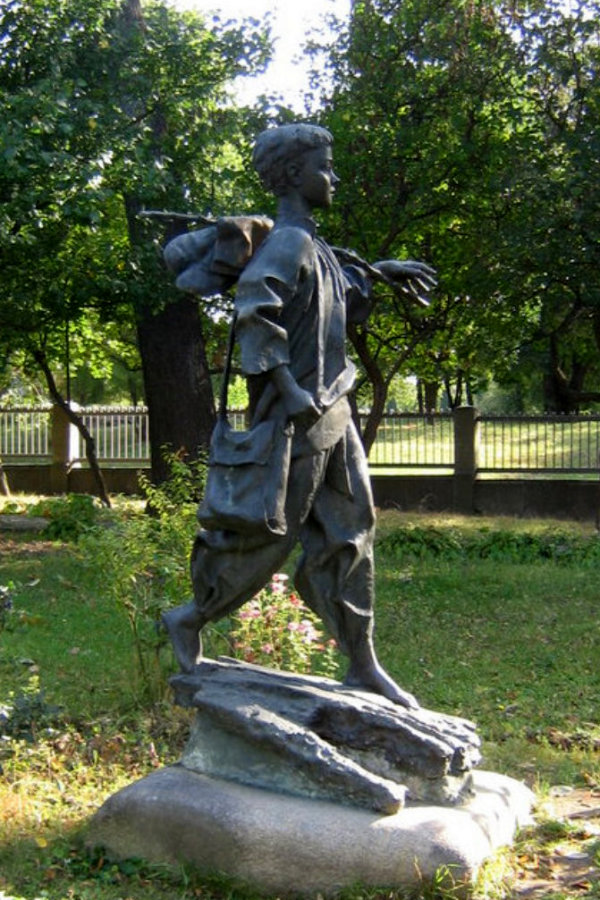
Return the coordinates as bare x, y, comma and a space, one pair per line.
566, 867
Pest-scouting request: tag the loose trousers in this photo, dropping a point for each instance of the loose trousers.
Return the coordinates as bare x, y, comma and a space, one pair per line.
330, 511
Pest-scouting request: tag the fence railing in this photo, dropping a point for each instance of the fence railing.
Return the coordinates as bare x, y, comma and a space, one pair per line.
25, 433
121, 434
547, 443
464, 442
410, 440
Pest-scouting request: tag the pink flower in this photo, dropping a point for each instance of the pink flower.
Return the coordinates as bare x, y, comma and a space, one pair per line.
278, 583
251, 611
309, 631
267, 648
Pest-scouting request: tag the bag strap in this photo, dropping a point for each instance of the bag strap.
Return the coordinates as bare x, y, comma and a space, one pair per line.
222, 414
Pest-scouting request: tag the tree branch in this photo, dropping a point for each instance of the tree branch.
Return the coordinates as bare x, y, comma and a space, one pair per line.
90, 444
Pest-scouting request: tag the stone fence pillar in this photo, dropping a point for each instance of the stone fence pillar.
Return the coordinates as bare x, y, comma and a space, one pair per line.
466, 457
65, 449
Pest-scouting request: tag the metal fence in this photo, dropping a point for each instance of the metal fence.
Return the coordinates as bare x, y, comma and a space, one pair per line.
410, 440
25, 433
546, 443
405, 441
121, 434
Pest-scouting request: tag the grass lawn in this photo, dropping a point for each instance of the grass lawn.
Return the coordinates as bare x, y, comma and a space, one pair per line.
494, 620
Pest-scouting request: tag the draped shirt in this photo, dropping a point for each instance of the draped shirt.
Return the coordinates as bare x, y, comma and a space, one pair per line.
293, 301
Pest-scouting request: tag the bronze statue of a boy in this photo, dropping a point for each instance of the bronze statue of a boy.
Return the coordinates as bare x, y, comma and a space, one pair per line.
293, 300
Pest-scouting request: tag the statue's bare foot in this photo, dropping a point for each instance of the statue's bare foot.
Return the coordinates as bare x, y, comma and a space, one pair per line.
183, 626
371, 677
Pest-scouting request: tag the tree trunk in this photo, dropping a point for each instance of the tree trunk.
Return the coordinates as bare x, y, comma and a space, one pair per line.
358, 338
177, 387
431, 391
4, 487
179, 394
454, 401
563, 394
90, 444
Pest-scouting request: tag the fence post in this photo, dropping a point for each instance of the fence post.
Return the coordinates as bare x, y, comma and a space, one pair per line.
466, 457
65, 449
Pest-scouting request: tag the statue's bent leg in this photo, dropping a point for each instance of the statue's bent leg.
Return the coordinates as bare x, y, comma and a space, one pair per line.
335, 575
228, 569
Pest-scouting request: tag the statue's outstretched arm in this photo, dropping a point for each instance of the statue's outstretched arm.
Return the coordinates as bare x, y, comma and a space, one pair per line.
415, 279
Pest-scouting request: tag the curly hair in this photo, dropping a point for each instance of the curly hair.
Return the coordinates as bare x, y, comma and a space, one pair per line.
276, 147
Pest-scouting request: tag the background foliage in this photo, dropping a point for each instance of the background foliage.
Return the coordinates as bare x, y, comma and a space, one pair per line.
466, 135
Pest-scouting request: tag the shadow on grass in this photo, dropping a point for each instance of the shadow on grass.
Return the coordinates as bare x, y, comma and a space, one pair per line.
57, 866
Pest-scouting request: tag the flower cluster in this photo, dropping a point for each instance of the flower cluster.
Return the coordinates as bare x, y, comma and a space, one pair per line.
276, 629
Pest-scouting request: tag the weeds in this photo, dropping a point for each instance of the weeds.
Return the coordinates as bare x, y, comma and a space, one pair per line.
68, 517
184, 485
6, 604
26, 712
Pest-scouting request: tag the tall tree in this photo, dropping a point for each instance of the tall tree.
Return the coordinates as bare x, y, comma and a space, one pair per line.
553, 235
423, 111
108, 107
465, 135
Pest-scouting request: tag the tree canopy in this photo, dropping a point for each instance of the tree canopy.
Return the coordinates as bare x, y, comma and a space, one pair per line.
466, 135
109, 107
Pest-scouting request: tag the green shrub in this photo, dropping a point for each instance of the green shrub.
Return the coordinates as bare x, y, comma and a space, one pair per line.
503, 545
26, 712
141, 565
184, 485
418, 541
69, 517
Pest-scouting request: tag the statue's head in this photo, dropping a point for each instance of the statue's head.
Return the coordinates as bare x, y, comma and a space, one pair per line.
276, 148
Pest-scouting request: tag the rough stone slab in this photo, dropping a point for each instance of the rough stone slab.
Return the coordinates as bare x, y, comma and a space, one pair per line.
317, 770
291, 845
10, 522
314, 737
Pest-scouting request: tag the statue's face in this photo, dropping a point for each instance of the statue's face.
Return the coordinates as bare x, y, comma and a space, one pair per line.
316, 178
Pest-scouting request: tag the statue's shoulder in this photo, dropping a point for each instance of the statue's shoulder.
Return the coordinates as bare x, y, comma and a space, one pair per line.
291, 239
286, 251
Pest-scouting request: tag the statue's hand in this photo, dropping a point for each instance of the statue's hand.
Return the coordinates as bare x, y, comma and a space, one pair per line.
416, 279
299, 404
301, 407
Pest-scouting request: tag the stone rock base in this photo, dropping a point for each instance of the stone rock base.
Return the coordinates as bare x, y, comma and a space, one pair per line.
291, 845
316, 738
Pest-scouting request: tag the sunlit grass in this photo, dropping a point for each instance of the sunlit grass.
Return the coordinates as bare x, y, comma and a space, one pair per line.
512, 645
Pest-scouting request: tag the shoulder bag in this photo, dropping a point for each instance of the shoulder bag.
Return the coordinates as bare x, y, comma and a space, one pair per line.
246, 484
